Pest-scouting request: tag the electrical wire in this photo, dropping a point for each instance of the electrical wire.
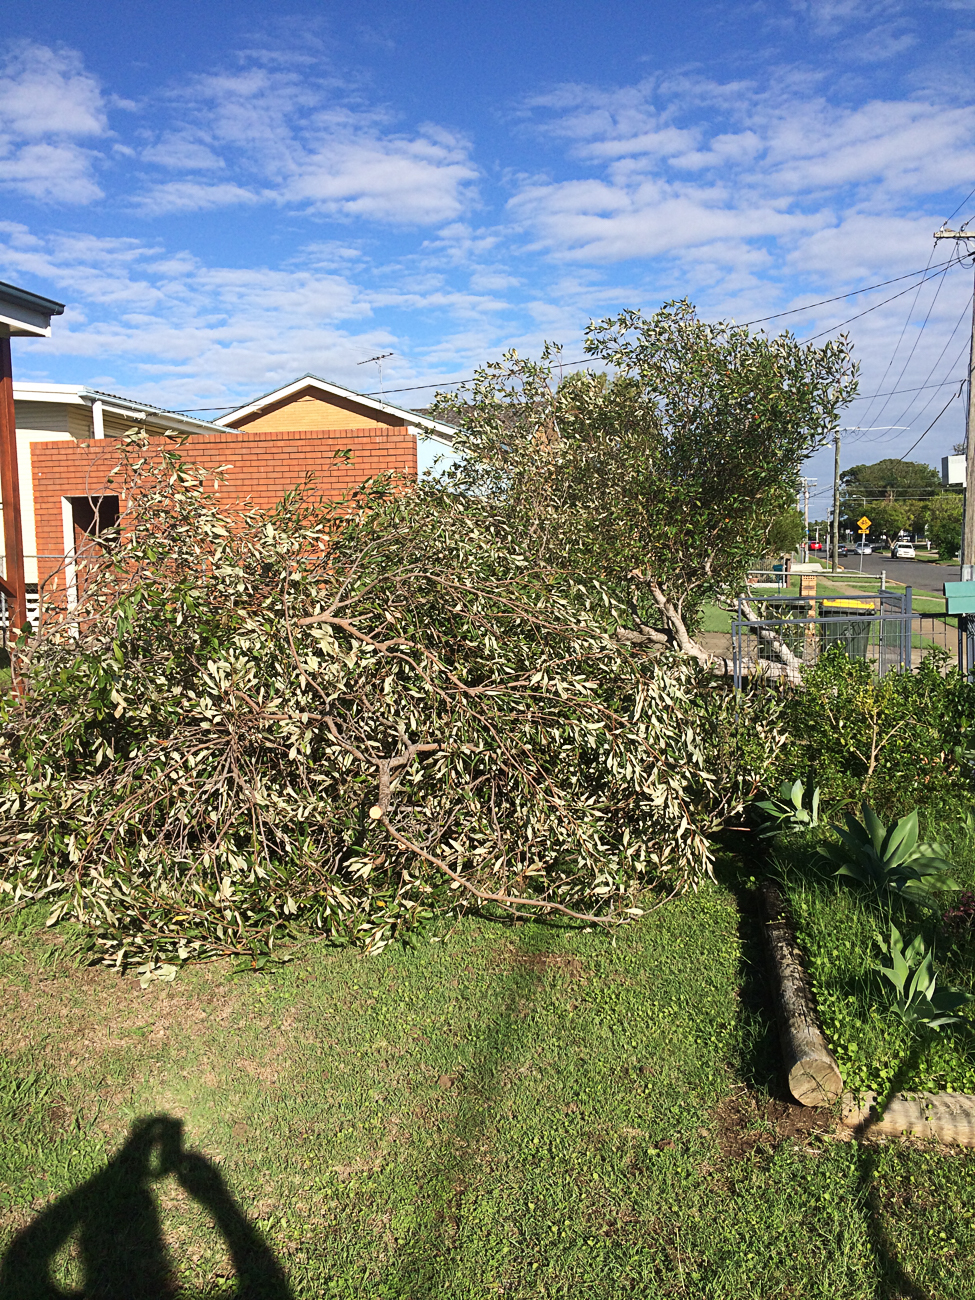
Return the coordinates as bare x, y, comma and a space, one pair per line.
953, 398
869, 397
958, 324
917, 339
919, 415
853, 293
960, 206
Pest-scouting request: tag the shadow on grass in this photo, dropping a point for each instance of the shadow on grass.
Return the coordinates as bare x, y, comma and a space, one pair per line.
425, 1265
895, 1282
759, 1061
116, 1223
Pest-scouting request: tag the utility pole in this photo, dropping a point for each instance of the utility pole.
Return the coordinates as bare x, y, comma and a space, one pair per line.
968, 516
835, 537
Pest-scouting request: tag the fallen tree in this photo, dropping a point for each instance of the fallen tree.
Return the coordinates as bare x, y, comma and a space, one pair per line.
665, 480
348, 717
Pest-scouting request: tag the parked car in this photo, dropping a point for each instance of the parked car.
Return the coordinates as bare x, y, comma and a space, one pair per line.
903, 551
863, 548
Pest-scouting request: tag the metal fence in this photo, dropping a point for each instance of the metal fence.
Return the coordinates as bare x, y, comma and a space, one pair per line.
793, 631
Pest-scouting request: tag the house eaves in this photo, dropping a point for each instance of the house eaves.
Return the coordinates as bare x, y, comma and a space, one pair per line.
112, 404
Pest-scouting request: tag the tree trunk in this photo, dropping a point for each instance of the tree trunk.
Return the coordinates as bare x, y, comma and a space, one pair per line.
814, 1077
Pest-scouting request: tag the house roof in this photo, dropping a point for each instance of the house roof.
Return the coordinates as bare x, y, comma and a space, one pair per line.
80, 395
434, 428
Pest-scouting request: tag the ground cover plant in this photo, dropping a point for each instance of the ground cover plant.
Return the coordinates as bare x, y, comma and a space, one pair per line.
529, 1111
846, 939
351, 717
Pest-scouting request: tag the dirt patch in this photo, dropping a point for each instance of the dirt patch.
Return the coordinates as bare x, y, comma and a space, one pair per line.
542, 963
745, 1122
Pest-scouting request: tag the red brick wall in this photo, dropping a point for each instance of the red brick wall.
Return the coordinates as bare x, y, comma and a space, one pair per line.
261, 468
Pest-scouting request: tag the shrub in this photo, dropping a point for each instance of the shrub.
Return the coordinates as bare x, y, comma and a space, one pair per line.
348, 717
901, 741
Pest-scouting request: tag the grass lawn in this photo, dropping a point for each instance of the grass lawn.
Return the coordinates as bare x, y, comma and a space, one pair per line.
524, 1111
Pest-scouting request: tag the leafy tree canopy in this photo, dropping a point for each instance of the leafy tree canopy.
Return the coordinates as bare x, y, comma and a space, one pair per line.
891, 478
944, 524
665, 481
786, 532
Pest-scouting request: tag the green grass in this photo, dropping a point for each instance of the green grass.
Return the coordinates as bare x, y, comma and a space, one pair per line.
716, 619
525, 1111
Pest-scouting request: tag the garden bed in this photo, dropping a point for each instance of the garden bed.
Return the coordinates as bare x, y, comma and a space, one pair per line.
840, 930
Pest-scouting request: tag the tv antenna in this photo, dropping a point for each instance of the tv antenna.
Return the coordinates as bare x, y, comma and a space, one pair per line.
379, 361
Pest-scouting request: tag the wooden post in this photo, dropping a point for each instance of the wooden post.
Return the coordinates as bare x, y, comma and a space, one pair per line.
13, 537
814, 1077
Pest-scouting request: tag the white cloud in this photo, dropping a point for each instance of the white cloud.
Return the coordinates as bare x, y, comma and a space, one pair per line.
191, 196
48, 102
181, 153
690, 163
172, 329
300, 142
280, 133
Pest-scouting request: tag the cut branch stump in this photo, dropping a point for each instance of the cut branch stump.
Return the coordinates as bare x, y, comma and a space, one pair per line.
813, 1074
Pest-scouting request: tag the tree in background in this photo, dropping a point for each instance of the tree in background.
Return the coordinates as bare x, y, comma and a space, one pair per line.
887, 519
666, 481
944, 524
864, 488
785, 534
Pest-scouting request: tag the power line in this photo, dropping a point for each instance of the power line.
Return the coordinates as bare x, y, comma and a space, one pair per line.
951, 399
960, 206
853, 293
919, 415
895, 392
893, 297
937, 363
917, 338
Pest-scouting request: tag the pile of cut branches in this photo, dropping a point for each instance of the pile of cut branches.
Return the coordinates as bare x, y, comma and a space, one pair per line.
346, 717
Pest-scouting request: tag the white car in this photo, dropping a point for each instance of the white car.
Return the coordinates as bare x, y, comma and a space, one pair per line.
863, 548
903, 551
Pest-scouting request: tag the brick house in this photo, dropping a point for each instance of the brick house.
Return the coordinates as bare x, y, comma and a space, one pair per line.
268, 445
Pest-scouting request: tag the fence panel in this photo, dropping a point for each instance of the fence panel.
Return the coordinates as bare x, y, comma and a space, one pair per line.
793, 631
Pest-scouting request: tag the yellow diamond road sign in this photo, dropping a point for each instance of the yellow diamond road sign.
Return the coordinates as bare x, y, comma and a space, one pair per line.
863, 524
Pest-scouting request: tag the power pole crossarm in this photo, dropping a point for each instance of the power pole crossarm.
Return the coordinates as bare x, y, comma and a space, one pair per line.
968, 518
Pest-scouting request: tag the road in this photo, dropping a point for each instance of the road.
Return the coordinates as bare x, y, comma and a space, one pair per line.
913, 573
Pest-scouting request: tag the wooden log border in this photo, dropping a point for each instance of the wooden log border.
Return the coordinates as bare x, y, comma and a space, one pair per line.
813, 1073
948, 1117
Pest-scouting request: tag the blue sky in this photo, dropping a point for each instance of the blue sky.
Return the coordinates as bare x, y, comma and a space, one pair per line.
228, 195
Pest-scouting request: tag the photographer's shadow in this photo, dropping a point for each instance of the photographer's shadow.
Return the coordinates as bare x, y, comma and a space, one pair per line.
116, 1221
